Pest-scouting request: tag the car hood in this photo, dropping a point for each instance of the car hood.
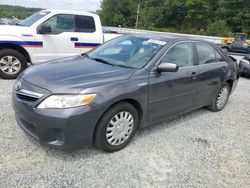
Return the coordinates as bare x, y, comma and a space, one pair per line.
14, 30
72, 75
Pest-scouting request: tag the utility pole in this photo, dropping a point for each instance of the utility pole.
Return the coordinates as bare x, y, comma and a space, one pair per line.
137, 16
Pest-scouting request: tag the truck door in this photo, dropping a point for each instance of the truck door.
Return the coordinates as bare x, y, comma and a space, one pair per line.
89, 31
59, 39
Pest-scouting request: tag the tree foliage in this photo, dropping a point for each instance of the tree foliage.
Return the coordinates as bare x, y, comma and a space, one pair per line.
210, 17
7, 11
214, 17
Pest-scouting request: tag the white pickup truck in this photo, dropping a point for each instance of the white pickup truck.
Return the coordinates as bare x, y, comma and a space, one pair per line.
47, 35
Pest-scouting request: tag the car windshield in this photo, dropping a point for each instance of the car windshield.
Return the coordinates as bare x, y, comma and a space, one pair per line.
33, 18
127, 51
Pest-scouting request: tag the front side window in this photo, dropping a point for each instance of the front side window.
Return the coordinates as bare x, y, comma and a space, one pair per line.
61, 23
85, 24
206, 53
127, 51
181, 54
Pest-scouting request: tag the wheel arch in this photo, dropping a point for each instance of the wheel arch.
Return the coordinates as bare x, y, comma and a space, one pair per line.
131, 101
230, 83
17, 48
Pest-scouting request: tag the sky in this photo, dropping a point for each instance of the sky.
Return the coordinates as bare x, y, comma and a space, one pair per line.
83, 5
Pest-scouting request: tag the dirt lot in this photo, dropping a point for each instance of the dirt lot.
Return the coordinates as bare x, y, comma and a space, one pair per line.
200, 149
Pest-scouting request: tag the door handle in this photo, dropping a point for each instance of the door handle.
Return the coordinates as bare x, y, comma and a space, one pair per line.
74, 39
194, 75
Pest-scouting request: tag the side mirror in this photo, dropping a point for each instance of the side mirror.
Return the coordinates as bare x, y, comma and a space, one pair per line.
44, 29
167, 67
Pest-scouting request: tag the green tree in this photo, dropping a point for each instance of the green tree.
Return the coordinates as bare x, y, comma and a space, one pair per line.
197, 14
7, 11
218, 28
116, 12
213, 17
236, 13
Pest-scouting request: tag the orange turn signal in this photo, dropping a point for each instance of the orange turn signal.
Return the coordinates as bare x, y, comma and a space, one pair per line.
88, 98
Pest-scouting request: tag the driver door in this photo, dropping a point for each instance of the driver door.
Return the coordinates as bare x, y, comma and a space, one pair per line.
61, 41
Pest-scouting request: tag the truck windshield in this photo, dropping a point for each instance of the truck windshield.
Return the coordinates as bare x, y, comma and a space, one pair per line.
33, 18
127, 51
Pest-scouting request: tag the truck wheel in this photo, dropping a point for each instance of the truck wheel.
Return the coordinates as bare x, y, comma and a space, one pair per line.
116, 127
12, 63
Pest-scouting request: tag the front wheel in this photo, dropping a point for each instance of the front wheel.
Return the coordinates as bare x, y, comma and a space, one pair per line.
116, 127
221, 98
12, 63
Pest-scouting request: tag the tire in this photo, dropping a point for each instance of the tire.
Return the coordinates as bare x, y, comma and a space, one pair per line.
104, 130
18, 63
224, 92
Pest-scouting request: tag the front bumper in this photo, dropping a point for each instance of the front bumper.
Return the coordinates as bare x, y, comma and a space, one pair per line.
246, 70
59, 128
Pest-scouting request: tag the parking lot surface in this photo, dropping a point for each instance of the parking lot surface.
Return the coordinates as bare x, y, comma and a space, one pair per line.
199, 149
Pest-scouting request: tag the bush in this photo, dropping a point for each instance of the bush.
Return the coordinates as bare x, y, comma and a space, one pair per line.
217, 28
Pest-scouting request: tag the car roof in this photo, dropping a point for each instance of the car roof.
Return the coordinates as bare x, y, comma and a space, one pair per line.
169, 38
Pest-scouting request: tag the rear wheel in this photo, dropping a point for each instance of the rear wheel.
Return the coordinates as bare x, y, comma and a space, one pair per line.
12, 63
221, 98
116, 127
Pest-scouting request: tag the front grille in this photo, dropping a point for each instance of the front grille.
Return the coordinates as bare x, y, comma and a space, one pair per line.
28, 95
27, 98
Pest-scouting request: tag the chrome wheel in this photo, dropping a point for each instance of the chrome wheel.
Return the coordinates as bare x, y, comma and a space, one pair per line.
119, 128
222, 98
10, 65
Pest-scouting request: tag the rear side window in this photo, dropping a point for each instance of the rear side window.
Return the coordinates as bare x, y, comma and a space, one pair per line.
218, 56
206, 54
181, 54
85, 24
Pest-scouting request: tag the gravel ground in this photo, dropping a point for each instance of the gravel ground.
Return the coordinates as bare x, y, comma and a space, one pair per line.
200, 149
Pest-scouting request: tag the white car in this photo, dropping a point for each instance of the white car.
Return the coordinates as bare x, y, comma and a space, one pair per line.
48, 35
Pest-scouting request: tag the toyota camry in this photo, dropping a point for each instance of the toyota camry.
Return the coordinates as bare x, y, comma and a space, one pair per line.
102, 97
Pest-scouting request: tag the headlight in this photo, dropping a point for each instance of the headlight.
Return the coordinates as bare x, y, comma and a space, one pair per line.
66, 101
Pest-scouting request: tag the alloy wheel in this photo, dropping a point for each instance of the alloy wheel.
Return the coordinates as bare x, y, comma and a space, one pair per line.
10, 65
222, 98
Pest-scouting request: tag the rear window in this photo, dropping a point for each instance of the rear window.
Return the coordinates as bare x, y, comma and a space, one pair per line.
85, 24
206, 53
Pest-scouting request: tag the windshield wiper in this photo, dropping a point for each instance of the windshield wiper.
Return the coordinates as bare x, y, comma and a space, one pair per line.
85, 55
124, 66
103, 61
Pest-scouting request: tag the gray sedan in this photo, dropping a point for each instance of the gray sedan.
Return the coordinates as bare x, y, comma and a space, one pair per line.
104, 96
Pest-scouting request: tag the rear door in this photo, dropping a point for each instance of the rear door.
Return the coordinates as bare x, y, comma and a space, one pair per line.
173, 93
90, 35
213, 70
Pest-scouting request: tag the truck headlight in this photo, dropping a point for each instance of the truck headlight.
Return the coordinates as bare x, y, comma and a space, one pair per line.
66, 101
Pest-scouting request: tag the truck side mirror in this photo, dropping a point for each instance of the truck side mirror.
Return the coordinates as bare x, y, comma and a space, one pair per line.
44, 29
